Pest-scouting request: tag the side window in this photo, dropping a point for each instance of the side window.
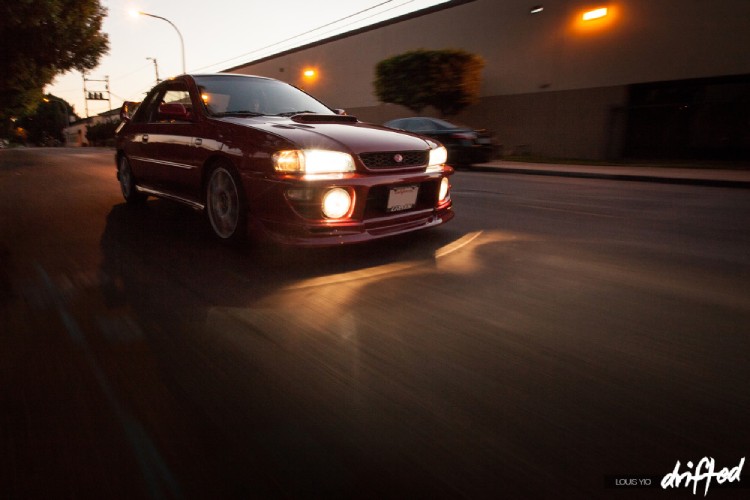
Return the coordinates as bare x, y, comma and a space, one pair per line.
175, 105
167, 105
146, 109
178, 96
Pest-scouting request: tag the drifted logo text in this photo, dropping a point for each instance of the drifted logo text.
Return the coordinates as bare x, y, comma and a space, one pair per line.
704, 470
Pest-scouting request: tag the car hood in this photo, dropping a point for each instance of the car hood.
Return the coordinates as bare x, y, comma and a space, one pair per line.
334, 132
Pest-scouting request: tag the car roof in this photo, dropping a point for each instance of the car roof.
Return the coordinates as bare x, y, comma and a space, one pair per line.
228, 75
439, 123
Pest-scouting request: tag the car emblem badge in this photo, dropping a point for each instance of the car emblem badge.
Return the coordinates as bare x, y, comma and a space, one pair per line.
398, 158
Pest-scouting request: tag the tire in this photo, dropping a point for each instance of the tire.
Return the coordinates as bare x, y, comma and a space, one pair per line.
225, 204
127, 182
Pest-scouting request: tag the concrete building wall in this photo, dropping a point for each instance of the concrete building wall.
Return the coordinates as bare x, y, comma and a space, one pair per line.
552, 85
75, 135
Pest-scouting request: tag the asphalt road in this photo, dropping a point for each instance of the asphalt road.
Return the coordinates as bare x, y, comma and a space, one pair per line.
557, 337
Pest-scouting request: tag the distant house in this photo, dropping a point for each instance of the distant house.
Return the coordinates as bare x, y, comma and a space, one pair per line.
75, 135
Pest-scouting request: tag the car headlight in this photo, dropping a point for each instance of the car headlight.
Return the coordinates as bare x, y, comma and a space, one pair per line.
438, 156
313, 161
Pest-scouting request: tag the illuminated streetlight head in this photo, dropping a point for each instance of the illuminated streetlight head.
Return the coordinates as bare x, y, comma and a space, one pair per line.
137, 13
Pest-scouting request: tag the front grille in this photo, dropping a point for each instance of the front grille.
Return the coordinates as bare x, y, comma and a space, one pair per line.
389, 159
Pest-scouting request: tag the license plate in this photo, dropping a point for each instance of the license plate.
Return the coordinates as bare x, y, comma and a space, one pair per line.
402, 198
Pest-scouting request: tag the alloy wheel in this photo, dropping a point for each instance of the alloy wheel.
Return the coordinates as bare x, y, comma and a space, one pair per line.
223, 203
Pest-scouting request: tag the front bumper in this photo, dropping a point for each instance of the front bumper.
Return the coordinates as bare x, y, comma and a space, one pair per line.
300, 222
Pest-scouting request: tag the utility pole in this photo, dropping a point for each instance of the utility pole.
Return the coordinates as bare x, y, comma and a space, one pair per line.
96, 96
156, 69
109, 94
85, 95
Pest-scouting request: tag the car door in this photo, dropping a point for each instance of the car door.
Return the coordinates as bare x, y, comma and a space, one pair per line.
141, 152
161, 141
176, 132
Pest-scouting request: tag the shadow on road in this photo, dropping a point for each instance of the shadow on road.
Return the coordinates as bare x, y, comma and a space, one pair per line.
270, 373
169, 238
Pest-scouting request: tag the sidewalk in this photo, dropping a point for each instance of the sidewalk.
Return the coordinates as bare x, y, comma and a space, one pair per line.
705, 176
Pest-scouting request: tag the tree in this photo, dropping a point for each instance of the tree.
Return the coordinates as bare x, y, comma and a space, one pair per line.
45, 125
448, 80
102, 134
41, 39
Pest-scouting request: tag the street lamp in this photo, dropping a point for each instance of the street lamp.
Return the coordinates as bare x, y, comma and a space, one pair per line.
182, 42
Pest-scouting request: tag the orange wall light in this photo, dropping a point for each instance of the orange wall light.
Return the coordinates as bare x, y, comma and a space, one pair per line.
596, 20
598, 13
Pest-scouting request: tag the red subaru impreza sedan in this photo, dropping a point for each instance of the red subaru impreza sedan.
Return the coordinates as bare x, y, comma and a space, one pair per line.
258, 155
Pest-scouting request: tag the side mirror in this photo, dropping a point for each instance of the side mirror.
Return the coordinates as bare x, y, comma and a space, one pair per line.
174, 111
341, 112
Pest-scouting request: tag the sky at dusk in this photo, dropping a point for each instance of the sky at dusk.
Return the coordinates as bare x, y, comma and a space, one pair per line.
217, 34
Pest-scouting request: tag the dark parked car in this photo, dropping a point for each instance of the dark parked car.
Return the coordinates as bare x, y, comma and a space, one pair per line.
465, 146
259, 154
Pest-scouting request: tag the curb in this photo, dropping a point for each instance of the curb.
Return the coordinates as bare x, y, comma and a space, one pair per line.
730, 183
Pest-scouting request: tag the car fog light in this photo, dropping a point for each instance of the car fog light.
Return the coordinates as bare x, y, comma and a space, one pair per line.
444, 187
336, 203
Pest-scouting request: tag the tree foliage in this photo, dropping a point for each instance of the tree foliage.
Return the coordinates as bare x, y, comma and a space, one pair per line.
448, 80
102, 134
41, 39
45, 125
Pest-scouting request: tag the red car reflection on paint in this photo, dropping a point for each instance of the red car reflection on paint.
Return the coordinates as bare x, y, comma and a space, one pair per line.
260, 156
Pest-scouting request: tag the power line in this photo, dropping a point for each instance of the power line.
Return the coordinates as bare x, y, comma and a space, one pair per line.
301, 34
140, 68
119, 97
369, 17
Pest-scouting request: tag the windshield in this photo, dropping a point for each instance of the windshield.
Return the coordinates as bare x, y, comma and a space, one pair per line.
238, 95
443, 125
